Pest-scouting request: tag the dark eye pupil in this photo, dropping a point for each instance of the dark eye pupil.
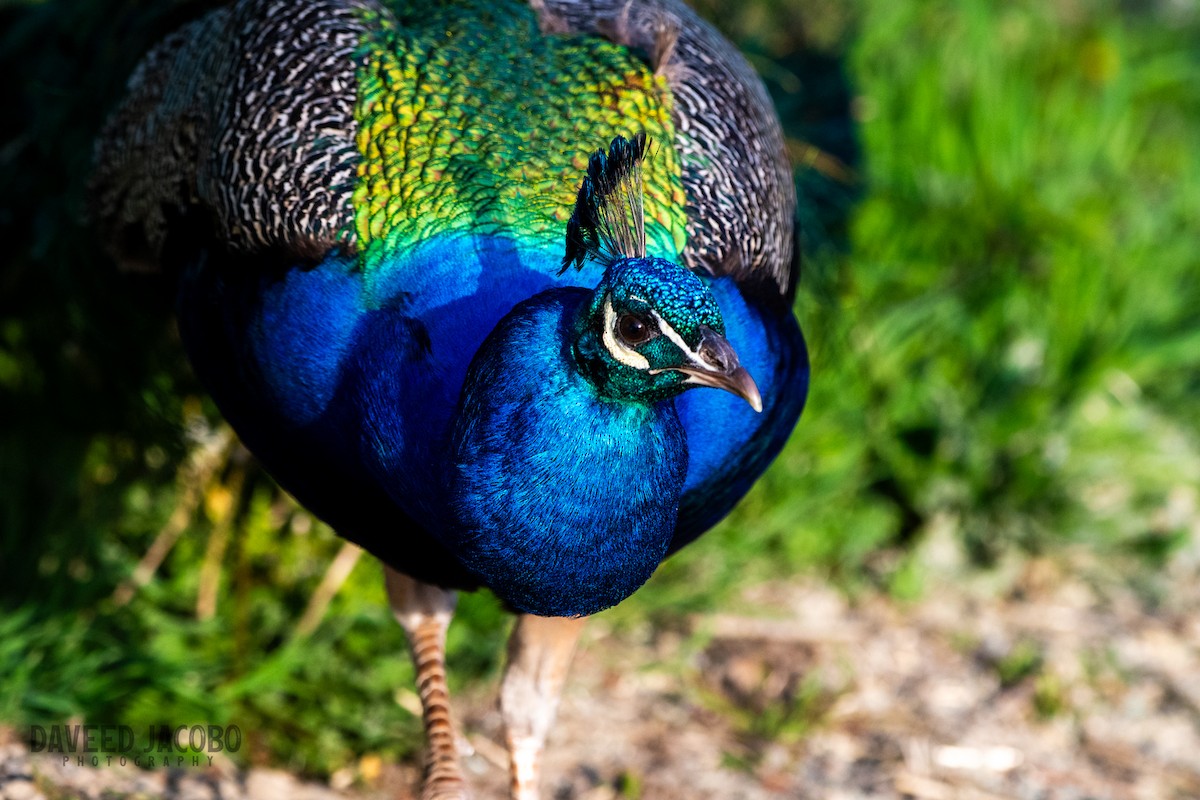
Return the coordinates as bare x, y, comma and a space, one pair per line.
633, 329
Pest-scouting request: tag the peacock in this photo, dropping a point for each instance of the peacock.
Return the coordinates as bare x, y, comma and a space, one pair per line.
500, 290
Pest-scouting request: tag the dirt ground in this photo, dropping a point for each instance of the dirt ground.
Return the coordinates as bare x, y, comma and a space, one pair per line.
1057, 679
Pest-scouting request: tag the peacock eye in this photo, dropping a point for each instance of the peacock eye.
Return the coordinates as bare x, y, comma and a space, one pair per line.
634, 329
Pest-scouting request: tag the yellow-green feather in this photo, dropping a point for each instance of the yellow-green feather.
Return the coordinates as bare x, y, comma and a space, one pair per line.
471, 120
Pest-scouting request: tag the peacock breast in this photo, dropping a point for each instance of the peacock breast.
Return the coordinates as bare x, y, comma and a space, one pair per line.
562, 500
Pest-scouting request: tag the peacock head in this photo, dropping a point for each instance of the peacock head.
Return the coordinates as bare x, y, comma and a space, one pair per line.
653, 328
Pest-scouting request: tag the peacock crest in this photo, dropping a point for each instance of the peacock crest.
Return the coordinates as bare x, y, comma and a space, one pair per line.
608, 222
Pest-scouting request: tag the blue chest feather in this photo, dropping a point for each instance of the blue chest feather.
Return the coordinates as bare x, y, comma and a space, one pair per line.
567, 498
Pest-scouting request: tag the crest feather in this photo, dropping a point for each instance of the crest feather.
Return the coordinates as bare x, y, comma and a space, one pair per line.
608, 223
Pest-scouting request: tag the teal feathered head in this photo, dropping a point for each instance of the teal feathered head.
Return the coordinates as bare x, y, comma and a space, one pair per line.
653, 327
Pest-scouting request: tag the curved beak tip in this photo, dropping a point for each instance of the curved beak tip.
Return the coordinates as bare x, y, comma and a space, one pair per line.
745, 387
735, 381
755, 401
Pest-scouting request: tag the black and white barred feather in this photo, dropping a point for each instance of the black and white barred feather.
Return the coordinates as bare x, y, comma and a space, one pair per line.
246, 114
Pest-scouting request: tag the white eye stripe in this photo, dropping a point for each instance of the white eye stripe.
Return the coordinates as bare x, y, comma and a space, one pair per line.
628, 357
678, 341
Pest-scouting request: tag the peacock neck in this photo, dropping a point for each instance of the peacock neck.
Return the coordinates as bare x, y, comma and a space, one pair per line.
564, 500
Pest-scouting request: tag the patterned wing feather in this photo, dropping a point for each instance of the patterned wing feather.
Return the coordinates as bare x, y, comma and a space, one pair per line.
246, 114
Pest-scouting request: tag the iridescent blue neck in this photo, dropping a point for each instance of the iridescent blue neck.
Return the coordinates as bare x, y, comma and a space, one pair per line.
564, 501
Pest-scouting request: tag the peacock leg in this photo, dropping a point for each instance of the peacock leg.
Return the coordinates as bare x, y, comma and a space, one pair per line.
424, 612
539, 653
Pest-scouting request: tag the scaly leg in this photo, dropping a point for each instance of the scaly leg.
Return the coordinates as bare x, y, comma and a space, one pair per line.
424, 612
539, 653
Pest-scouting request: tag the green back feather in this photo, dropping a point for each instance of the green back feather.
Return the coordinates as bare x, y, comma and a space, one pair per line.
471, 120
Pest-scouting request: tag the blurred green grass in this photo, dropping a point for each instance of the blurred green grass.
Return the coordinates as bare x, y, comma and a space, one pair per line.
1001, 211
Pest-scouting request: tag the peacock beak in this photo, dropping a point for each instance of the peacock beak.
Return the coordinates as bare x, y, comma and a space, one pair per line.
722, 369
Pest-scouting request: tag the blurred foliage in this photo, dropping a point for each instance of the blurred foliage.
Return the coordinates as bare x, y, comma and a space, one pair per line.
1008, 346
1000, 207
